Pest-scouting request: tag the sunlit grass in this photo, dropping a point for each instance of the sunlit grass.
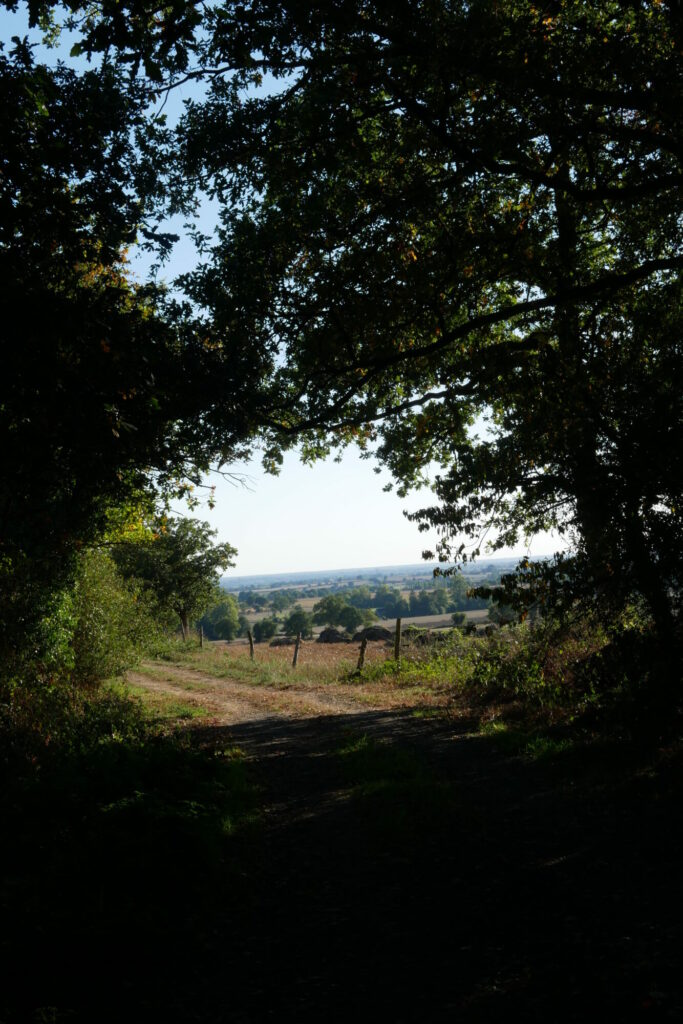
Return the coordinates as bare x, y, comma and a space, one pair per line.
164, 708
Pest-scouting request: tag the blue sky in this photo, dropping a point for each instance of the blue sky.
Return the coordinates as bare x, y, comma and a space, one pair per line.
330, 516
333, 515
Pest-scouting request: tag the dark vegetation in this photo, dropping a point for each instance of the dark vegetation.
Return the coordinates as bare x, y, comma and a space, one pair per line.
473, 211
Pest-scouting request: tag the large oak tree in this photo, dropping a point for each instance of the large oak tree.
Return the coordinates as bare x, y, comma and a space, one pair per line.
110, 393
438, 211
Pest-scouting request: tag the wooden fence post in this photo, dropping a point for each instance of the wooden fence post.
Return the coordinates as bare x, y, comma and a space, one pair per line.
361, 654
201, 635
251, 644
397, 642
296, 650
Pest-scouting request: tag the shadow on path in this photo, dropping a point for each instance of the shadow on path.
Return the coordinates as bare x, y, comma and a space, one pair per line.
398, 870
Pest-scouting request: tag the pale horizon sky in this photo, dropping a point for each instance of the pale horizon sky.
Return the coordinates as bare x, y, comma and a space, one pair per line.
329, 516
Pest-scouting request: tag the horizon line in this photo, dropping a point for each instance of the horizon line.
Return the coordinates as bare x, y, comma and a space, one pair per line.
391, 565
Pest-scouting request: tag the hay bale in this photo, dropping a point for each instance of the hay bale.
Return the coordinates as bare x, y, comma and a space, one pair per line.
373, 633
332, 636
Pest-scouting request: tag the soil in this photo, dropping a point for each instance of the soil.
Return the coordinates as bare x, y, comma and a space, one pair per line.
408, 869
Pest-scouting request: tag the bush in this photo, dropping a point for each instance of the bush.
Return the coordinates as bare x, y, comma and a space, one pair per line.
112, 621
299, 621
264, 629
222, 622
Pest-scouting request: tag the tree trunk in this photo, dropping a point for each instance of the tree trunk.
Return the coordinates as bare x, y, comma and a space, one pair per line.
185, 624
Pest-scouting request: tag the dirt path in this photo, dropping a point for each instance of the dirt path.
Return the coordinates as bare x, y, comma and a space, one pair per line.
406, 869
230, 702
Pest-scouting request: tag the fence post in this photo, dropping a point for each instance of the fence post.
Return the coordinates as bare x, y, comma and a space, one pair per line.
201, 635
361, 654
397, 642
251, 644
296, 650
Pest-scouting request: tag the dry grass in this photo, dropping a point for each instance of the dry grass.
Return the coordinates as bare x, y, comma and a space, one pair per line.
321, 662
328, 667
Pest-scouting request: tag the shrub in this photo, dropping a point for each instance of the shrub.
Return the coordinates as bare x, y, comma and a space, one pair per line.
112, 621
264, 629
222, 622
299, 621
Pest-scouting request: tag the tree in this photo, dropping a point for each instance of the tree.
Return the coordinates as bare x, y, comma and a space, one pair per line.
181, 566
351, 618
264, 629
472, 211
360, 597
110, 390
299, 621
390, 603
281, 600
222, 621
328, 610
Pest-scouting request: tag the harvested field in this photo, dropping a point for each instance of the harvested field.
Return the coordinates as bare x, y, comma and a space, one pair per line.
332, 657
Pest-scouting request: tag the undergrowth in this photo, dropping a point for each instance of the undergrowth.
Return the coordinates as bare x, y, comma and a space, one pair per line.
110, 815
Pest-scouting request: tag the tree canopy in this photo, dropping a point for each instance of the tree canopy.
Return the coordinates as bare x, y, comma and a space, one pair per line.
180, 566
444, 212
299, 621
448, 232
113, 394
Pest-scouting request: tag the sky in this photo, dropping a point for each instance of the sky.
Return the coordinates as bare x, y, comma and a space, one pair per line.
330, 516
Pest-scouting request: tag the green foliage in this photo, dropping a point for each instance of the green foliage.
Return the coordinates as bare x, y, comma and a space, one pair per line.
502, 614
92, 630
327, 611
113, 623
223, 621
390, 604
429, 602
351, 618
264, 629
179, 567
109, 389
360, 597
470, 230
298, 621
281, 600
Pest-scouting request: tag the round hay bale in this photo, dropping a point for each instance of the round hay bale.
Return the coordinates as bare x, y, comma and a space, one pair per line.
332, 636
373, 633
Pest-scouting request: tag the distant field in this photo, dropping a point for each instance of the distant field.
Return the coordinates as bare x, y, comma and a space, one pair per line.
394, 575
426, 621
435, 621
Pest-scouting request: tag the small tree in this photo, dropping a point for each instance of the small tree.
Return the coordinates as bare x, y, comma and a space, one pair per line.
264, 629
327, 611
299, 621
360, 597
111, 621
351, 618
181, 566
222, 621
281, 600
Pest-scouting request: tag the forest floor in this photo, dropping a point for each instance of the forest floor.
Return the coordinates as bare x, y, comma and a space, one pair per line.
337, 851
